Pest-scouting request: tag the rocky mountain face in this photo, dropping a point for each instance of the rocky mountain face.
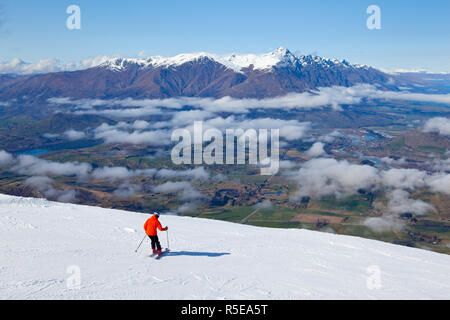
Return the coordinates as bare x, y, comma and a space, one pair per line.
204, 75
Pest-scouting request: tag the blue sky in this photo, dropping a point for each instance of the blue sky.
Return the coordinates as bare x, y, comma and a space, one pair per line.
414, 34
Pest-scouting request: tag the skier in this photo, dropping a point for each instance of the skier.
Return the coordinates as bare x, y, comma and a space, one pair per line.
150, 227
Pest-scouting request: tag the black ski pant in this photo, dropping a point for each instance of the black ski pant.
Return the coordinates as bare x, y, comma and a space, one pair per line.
155, 243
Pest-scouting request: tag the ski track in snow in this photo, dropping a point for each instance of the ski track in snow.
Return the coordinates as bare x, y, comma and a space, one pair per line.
209, 259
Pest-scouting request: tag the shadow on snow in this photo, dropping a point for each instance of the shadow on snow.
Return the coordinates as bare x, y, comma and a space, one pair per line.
197, 254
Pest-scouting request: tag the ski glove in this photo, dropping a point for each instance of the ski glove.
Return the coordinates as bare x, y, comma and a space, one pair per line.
166, 228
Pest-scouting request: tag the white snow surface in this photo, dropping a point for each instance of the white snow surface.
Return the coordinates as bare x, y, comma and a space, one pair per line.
209, 259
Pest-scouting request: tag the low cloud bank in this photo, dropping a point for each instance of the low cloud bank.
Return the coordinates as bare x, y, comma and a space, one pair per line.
330, 177
45, 185
74, 134
30, 165
323, 97
401, 202
439, 125
70, 134
39, 170
18, 66
264, 205
127, 190
133, 133
316, 150
385, 223
114, 134
183, 189
6, 158
322, 177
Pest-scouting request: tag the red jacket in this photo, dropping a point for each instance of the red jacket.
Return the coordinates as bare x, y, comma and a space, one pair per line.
151, 225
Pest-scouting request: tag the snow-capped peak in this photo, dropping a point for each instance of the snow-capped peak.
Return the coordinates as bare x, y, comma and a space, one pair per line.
259, 62
119, 64
237, 62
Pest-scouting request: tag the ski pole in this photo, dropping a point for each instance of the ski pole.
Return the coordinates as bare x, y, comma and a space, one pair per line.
145, 236
167, 239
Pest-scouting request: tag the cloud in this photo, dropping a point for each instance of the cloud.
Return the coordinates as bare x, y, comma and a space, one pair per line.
141, 124
392, 161
323, 97
185, 190
5, 158
184, 118
120, 173
68, 134
186, 207
413, 70
79, 104
18, 66
41, 168
316, 150
127, 190
196, 174
289, 129
266, 204
385, 223
31, 165
123, 113
288, 164
50, 135
440, 165
439, 124
111, 134
439, 183
112, 173
403, 178
328, 138
74, 135
329, 177
45, 185
124, 132
400, 202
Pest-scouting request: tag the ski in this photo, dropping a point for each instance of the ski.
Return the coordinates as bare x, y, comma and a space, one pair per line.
157, 256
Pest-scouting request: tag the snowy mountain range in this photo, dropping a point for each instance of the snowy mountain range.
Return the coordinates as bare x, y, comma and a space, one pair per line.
281, 57
63, 251
201, 74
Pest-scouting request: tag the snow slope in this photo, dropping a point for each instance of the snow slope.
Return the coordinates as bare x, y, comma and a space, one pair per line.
40, 239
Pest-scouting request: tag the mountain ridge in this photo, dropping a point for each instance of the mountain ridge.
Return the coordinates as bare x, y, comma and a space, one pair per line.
195, 75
